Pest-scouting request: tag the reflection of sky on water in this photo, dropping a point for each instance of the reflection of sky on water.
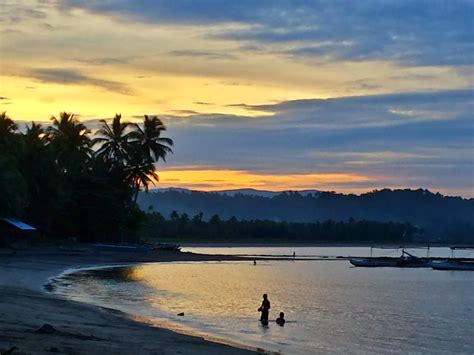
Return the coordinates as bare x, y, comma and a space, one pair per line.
329, 305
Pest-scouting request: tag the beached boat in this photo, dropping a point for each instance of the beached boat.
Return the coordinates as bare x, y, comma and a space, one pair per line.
167, 246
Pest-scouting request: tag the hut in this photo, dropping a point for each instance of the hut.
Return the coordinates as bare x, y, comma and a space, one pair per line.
15, 233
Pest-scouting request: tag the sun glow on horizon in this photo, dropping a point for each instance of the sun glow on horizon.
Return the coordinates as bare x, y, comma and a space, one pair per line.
213, 180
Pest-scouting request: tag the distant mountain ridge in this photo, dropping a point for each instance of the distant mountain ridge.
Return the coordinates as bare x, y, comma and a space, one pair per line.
247, 192
441, 217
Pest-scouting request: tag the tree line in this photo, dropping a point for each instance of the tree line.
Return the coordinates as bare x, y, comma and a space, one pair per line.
182, 228
442, 218
70, 182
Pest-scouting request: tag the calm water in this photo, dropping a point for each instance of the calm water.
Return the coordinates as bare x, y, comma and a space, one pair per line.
329, 306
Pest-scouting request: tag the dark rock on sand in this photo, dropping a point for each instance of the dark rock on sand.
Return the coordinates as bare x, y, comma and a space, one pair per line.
46, 329
10, 351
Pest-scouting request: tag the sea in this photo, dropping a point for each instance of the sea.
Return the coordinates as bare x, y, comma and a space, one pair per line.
329, 306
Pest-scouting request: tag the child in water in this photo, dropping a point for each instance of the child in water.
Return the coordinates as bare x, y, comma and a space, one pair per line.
281, 320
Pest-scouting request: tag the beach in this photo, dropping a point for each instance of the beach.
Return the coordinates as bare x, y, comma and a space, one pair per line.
25, 306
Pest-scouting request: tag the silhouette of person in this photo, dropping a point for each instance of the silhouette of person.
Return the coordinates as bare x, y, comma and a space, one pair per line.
264, 308
281, 320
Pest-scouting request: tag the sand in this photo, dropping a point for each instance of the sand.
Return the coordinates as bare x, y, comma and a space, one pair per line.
80, 328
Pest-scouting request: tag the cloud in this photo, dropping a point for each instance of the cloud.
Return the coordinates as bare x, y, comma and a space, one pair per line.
15, 13
202, 54
69, 76
5, 100
345, 113
411, 33
399, 140
204, 103
105, 60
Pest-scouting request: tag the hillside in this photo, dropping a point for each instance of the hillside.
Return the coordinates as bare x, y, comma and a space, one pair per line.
442, 218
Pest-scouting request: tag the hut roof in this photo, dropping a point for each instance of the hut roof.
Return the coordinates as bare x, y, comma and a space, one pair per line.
18, 224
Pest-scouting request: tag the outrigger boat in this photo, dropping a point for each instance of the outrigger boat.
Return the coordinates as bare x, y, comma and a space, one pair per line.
404, 260
455, 263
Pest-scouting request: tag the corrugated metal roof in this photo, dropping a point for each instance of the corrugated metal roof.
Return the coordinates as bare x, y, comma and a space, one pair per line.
19, 224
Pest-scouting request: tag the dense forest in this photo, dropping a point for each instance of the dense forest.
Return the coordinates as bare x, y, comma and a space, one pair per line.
68, 182
439, 218
182, 228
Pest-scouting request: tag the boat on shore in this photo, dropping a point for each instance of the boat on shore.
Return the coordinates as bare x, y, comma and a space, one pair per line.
167, 246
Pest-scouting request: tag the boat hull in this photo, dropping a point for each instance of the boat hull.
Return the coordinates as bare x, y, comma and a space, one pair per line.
391, 262
456, 265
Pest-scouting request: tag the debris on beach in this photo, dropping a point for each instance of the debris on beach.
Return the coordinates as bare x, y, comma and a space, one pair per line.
46, 329
8, 352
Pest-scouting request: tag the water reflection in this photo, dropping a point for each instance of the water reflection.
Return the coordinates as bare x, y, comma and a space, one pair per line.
328, 305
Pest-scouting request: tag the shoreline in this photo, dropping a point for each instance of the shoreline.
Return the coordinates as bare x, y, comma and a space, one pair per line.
26, 304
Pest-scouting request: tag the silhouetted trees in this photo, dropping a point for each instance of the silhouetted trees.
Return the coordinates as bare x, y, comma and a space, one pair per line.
70, 183
442, 218
181, 228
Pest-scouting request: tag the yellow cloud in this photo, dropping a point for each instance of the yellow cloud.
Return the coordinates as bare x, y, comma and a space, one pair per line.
156, 64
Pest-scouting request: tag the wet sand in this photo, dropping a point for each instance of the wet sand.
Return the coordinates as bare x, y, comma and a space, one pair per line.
82, 328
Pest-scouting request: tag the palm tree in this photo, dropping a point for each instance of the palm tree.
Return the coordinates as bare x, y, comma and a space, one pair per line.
147, 148
149, 138
13, 192
44, 177
114, 142
34, 134
141, 173
70, 141
7, 127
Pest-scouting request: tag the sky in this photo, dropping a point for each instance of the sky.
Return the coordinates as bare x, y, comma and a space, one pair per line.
345, 96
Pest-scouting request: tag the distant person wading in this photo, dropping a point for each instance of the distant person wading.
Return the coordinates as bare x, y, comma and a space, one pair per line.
264, 308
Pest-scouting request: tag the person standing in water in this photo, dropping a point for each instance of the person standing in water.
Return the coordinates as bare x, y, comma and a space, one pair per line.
264, 308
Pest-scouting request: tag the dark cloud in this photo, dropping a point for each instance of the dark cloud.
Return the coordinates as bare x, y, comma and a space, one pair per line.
185, 112
422, 32
69, 76
347, 114
5, 100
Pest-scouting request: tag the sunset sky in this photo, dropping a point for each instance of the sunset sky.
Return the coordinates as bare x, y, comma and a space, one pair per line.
347, 96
